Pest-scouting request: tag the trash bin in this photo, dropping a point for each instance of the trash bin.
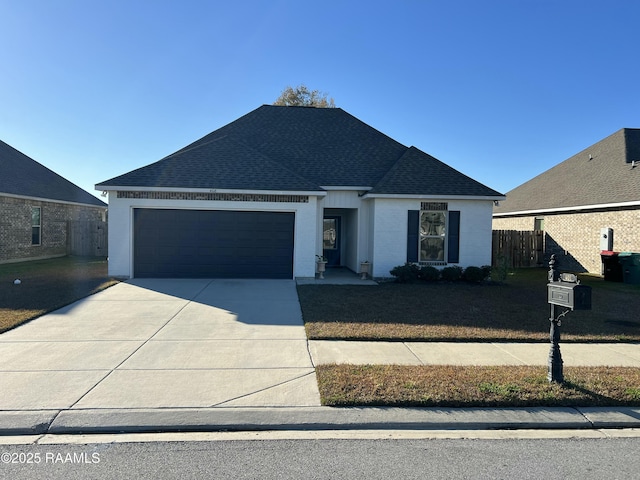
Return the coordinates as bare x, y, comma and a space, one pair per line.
630, 262
611, 268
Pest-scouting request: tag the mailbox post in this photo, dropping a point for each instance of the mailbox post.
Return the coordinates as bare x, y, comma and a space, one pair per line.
564, 290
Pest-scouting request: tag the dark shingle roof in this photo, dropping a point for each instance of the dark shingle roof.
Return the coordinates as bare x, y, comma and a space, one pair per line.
236, 167
21, 175
600, 174
328, 146
299, 148
418, 173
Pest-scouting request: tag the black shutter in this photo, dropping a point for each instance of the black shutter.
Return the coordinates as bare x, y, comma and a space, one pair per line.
413, 230
453, 234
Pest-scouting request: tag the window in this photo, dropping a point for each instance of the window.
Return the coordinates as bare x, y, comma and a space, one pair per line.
433, 228
329, 234
538, 223
36, 225
433, 234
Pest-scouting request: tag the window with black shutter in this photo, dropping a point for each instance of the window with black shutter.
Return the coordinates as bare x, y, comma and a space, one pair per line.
433, 234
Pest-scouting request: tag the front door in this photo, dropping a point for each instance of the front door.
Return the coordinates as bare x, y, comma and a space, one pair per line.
331, 240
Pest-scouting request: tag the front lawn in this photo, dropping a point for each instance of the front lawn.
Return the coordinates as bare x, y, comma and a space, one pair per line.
47, 285
514, 311
448, 386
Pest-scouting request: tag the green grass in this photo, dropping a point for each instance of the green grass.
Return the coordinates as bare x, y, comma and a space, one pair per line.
516, 310
47, 285
449, 386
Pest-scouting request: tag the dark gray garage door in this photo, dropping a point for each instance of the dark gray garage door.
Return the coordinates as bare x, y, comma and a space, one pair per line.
212, 244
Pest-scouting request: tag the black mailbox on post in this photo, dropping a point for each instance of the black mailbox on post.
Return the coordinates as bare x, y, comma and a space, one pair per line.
569, 293
564, 290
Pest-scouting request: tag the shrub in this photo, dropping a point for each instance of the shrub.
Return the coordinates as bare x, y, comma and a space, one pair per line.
486, 271
429, 274
452, 274
501, 270
406, 273
474, 274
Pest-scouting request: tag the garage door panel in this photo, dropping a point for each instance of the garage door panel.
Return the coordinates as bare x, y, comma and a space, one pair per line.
213, 244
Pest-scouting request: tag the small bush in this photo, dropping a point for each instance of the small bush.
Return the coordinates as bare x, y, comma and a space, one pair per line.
406, 273
474, 274
486, 271
452, 274
501, 270
429, 274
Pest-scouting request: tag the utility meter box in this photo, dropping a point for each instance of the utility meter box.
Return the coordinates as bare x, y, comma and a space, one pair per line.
606, 239
570, 295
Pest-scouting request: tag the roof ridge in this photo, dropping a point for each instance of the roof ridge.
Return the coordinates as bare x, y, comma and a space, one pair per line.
436, 170
392, 169
192, 146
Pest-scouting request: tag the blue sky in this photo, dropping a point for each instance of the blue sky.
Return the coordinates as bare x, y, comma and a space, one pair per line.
501, 90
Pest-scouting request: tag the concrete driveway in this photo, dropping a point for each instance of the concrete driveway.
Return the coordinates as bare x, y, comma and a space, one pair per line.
150, 343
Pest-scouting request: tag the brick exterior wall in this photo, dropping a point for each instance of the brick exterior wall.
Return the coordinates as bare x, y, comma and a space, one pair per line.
575, 237
522, 224
15, 227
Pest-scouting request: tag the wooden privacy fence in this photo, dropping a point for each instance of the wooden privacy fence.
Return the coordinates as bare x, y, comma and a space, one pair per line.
87, 238
517, 248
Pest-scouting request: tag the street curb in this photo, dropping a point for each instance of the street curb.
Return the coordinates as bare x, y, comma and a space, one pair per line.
311, 418
621, 417
28, 422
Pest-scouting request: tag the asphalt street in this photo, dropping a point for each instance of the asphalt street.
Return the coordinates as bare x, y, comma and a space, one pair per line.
567, 458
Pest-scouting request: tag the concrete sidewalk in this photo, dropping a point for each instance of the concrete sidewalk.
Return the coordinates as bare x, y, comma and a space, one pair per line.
188, 355
440, 353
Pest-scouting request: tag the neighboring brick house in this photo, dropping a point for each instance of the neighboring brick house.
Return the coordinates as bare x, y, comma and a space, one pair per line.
596, 189
36, 206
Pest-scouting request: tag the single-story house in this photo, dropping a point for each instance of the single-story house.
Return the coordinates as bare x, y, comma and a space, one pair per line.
586, 204
36, 206
267, 194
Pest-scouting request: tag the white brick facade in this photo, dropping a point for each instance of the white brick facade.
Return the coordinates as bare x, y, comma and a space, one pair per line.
121, 227
389, 232
374, 229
